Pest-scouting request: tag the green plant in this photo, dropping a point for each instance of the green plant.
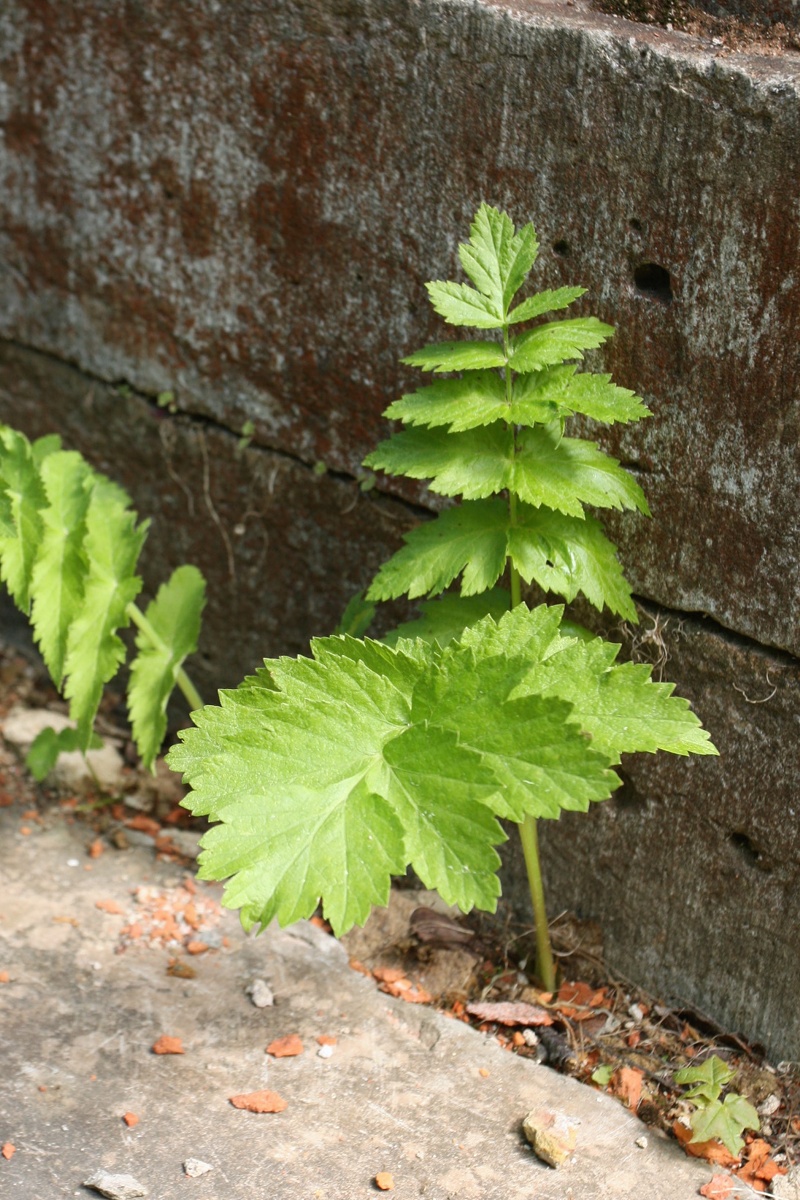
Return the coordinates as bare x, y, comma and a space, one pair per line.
326, 775
69, 544
494, 436
715, 1119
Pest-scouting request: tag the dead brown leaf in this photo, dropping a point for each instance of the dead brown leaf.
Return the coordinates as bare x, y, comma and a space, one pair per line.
713, 1151
508, 1012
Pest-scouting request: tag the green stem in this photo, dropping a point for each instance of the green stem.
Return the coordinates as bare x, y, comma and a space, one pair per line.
545, 967
190, 692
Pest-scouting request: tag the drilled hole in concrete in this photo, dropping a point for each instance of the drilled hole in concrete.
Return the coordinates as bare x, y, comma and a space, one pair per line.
635, 225
748, 851
654, 282
561, 247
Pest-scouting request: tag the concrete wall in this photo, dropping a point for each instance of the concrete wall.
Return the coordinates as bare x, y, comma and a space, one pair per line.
240, 203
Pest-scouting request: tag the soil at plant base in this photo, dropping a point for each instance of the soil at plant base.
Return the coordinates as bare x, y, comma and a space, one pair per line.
597, 1028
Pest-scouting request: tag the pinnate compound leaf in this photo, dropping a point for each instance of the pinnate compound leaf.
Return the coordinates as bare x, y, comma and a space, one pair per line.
94, 651
544, 302
566, 473
474, 464
457, 356
557, 341
563, 554
174, 617
561, 473
562, 392
496, 258
60, 569
462, 305
567, 555
477, 398
472, 538
23, 499
724, 1121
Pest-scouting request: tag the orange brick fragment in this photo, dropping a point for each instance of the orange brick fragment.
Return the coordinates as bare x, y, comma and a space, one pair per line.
324, 1039
196, 947
285, 1047
482, 1071
719, 1187
168, 1045
4, 976
259, 1102
627, 1084
389, 974
24, 830
384, 1181
8, 1150
95, 848
355, 965
144, 825
110, 906
130, 1119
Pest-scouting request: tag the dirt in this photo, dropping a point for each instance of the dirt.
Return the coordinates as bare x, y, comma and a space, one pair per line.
728, 34
597, 1028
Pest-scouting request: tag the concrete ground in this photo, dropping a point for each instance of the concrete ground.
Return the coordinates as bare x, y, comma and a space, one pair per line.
404, 1090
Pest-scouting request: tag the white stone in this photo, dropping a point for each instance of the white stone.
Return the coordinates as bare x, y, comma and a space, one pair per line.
195, 1167
260, 993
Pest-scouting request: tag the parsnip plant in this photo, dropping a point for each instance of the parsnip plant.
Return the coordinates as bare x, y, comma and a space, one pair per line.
326, 775
69, 544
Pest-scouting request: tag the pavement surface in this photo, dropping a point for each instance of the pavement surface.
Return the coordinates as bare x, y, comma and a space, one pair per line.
405, 1090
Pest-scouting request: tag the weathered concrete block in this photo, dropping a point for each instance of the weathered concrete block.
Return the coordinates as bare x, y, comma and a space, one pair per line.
240, 203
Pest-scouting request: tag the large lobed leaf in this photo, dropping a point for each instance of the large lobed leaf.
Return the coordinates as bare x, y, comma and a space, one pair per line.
327, 775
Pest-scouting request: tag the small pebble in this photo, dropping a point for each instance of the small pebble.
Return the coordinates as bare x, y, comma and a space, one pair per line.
73, 862
325, 1052
195, 1167
641, 1142
260, 993
530, 1038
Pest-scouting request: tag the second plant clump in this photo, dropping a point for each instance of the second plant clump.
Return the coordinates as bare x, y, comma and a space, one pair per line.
327, 775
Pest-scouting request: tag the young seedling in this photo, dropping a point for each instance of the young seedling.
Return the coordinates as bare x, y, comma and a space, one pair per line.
326, 775
69, 544
714, 1119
